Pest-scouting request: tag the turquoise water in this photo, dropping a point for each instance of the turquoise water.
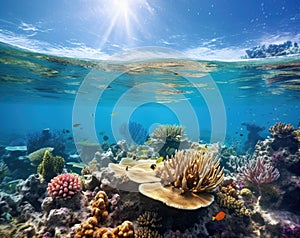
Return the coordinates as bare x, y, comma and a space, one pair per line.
38, 91
75, 105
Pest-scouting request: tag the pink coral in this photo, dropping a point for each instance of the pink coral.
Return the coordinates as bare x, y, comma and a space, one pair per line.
64, 186
259, 172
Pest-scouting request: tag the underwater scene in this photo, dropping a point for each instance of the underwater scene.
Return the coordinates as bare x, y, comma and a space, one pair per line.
148, 141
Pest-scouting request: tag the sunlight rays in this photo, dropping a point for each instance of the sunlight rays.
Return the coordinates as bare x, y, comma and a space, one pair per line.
123, 20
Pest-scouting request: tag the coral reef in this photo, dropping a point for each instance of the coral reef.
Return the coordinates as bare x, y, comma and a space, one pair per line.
47, 138
284, 137
99, 204
64, 186
37, 156
259, 172
90, 227
228, 197
50, 166
149, 225
185, 179
166, 139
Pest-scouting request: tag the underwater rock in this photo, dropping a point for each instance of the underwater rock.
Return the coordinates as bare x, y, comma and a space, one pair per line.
253, 136
59, 217
32, 189
291, 196
88, 150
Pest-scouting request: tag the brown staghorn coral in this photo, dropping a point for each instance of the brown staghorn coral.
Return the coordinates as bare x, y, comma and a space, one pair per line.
185, 179
192, 171
258, 172
148, 225
149, 219
145, 232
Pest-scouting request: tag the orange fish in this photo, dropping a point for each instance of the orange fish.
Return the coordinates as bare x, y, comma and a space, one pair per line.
219, 217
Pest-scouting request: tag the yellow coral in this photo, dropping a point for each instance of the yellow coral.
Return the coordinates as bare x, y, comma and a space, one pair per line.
87, 228
99, 204
233, 203
245, 192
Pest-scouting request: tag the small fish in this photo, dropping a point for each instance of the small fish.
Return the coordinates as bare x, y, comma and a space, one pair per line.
105, 137
153, 166
113, 114
241, 134
159, 160
219, 217
70, 138
76, 125
143, 151
284, 114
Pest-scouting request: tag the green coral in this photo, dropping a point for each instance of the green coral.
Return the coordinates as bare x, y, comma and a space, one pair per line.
168, 131
37, 156
51, 166
167, 139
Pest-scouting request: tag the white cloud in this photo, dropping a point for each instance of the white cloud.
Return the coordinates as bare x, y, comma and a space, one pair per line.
23, 42
279, 38
224, 54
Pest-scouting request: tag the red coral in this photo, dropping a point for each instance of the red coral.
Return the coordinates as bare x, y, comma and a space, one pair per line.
64, 186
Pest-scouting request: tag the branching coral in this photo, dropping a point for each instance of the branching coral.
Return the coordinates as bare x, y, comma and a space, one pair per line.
148, 225
185, 179
168, 131
192, 171
166, 139
259, 172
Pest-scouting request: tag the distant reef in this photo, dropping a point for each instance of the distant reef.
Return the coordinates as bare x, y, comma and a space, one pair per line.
263, 51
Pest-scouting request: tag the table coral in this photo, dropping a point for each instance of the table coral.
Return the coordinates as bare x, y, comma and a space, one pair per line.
185, 179
64, 186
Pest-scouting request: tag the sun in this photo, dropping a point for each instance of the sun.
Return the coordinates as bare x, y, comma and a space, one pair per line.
122, 19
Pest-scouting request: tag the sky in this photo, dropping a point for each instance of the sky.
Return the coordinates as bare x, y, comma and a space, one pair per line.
201, 29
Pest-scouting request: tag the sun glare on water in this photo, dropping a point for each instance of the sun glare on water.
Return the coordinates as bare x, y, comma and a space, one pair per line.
124, 17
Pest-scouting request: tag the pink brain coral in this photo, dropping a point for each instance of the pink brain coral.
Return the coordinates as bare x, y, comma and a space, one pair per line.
64, 186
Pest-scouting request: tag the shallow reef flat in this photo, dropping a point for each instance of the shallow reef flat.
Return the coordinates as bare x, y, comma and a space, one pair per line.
155, 190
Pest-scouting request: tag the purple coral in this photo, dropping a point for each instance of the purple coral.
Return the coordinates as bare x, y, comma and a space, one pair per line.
259, 172
290, 231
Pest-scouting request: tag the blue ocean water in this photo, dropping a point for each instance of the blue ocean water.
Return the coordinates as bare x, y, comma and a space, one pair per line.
87, 109
39, 91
